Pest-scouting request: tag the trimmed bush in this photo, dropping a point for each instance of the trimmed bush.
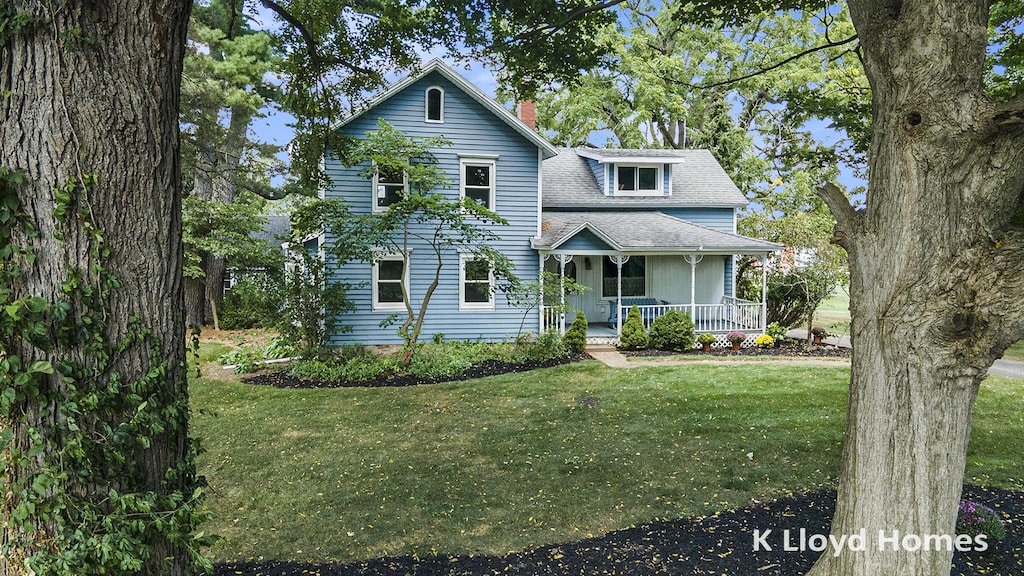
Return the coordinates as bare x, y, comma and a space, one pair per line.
673, 330
575, 339
634, 336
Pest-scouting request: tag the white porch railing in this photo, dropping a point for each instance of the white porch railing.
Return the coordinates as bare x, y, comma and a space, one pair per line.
733, 314
550, 319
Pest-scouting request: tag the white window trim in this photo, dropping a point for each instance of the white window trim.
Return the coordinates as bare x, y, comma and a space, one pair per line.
463, 305
659, 191
388, 306
647, 278
426, 105
479, 161
373, 191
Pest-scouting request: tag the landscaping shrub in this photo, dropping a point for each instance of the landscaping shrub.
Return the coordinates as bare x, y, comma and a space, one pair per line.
355, 365
575, 338
776, 331
673, 330
973, 519
450, 358
547, 346
254, 302
634, 335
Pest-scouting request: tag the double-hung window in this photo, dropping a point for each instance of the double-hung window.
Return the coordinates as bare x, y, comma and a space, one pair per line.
637, 180
476, 283
389, 186
476, 180
389, 276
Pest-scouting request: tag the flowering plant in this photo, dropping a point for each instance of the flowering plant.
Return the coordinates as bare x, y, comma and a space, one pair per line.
973, 519
735, 337
819, 331
764, 341
706, 338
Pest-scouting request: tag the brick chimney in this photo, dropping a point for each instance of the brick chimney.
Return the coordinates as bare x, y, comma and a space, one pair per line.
527, 112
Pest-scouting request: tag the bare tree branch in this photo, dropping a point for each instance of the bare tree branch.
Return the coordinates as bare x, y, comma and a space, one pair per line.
312, 47
775, 66
1009, 113
847, 219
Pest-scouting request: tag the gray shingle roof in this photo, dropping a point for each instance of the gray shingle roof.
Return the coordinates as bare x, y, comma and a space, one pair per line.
645, 231
697, 181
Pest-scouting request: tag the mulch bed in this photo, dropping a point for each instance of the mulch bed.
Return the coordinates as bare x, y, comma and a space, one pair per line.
281, 379
788, 349
722, 544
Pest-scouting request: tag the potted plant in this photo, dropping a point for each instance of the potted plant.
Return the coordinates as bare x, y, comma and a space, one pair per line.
706, 340
818, 333
764, 341
736, 338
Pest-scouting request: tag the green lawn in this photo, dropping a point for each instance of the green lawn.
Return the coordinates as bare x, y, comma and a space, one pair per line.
834, 312
1015, 352
515, 461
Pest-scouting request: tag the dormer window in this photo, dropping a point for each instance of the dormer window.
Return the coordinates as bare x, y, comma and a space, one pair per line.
638, 180
435, 104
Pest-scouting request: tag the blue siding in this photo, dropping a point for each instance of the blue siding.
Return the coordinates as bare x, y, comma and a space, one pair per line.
473, 130
730, 289
585, 241
720, 219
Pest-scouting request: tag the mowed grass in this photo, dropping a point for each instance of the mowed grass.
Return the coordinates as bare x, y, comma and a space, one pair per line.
833, 313
516, 461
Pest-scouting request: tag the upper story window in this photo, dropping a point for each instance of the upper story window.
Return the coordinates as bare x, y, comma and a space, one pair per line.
435, 104
476, 178
389, 186
638, 180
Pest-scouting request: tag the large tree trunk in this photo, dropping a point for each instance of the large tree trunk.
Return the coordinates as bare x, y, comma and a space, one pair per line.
937, 278
91, 88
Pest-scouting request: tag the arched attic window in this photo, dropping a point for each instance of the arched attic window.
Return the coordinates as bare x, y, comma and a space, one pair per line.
435, 104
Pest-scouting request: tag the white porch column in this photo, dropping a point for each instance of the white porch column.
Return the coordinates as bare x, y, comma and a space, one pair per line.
693, 260
619, 261
540, 293
764, 292
563, 259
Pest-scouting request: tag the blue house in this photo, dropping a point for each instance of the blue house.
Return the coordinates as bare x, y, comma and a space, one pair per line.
654, 228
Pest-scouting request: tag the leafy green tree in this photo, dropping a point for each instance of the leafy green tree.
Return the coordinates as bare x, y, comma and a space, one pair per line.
227, 171
551, 290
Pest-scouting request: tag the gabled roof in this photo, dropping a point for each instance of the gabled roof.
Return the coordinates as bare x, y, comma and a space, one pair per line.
644, 232
466, 86
698, 180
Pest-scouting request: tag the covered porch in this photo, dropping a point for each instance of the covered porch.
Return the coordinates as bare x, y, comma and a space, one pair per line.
648, 260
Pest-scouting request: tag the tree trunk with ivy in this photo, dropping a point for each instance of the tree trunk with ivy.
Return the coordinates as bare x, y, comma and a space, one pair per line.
99, 469
937, 276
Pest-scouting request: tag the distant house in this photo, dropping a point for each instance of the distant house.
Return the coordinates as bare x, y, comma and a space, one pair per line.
655, 228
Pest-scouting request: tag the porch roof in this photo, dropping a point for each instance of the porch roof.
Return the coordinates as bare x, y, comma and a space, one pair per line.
640, 232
